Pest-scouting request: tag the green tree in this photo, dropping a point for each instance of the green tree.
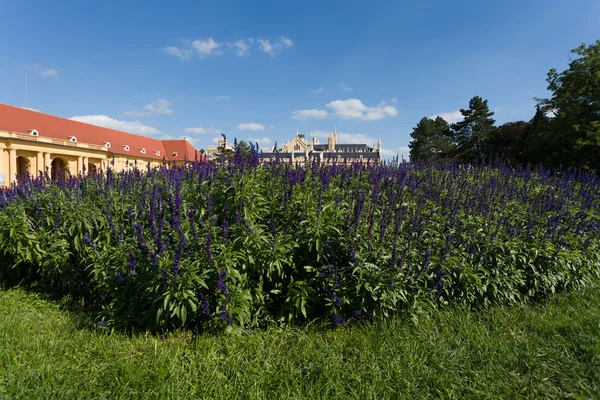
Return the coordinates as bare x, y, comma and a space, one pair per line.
471, 135
508, 142
430, 140
539, 148
575, 109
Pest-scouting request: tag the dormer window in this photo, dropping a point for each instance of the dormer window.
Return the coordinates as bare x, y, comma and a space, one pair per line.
142, 150
34, 132
125, 147
157, 152
107, 144
174, 154
72, 139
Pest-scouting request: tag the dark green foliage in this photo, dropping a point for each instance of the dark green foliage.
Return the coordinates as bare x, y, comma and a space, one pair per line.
574, 129
509, 143
222, 247
431, 140
565, 131
471, 136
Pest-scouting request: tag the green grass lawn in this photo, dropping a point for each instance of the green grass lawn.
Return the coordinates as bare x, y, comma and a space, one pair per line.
550, 350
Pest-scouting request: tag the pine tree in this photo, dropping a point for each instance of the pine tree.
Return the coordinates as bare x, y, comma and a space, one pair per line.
431, 140
471, 135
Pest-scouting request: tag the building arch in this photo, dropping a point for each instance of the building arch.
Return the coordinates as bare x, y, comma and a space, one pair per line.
59, 168
23, 167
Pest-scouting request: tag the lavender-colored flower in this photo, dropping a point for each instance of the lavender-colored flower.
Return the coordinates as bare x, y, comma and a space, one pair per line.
88, 240
222, 286
339, 302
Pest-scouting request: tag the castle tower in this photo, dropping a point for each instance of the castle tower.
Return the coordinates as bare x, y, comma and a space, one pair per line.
335, 134
379, 146
330, 142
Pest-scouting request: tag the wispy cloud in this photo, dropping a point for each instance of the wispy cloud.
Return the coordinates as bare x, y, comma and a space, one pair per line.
401, 151
183, 53
220, 98
251, 126
307, 114
201, 131
345, 87
125, 126
394, 100
201, 47
266, 46
241, 48
319, 90
286, 42
272, 48
355, 109
158, 106
50, 73
450, 117
349, 109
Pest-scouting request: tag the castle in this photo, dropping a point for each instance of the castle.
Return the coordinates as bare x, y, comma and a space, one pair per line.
299, 149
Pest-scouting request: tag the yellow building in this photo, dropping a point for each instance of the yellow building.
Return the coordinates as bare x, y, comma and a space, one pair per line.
32, 143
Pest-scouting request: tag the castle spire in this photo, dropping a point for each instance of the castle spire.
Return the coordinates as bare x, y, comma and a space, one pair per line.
335, 141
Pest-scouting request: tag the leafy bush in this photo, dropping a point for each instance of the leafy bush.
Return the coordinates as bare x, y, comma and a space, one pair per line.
243, 245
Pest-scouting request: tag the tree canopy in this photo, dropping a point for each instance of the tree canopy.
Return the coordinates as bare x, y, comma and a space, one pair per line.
565, 130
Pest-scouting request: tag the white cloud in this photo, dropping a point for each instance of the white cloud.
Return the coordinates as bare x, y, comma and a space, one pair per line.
401, 151
206, 47
450, 117
215, 140
262, 141
134, 113
182, 53
251, 126
271, 49
272, 126
305, 114
394, 100
355, 109
202, 47
201, 131
50, 73
345, 87
223, 98
266, 46
241, 47
286, 42
125, 126
159, 106
319, 90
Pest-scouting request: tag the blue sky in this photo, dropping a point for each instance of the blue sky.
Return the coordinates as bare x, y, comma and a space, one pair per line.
259, 70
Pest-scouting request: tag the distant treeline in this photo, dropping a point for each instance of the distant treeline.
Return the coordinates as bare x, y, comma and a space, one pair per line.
564, 132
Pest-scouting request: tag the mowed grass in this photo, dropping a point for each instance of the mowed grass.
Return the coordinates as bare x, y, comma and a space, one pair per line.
548, 350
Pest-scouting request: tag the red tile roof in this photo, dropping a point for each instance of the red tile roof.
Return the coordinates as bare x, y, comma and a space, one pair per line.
21, 120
